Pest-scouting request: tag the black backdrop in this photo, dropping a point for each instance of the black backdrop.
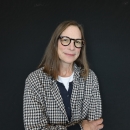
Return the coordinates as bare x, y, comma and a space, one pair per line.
25, 29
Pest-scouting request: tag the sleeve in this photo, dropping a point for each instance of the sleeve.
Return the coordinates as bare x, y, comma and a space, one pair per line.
34, 112
95, 106
74, 127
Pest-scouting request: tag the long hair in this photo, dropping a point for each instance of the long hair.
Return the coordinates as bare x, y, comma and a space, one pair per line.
51, 61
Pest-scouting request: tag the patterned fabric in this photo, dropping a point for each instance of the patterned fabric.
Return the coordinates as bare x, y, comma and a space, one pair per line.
43, 106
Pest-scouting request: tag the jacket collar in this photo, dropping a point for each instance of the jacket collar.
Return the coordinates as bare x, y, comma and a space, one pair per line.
77, 71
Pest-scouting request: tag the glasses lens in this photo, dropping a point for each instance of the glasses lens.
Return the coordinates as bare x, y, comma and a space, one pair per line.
65, 41
78, 43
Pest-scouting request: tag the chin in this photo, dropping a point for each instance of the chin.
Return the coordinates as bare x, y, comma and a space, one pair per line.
69, 61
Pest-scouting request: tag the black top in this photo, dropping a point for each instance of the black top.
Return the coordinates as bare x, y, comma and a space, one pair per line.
66, 96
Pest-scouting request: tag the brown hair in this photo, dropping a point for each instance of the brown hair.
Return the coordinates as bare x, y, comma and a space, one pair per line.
51, 62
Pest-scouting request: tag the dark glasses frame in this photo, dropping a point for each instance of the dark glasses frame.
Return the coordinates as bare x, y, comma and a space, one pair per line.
60, 37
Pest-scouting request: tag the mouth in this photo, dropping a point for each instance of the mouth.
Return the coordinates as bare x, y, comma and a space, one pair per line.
69, 54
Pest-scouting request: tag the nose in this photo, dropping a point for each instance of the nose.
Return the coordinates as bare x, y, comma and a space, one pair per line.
71, 45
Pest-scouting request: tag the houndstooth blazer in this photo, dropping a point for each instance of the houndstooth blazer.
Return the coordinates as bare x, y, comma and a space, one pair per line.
43, 108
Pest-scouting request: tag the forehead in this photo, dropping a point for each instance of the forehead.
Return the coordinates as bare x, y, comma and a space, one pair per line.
72, 32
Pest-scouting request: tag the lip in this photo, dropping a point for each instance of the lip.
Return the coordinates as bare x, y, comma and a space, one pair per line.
69, 54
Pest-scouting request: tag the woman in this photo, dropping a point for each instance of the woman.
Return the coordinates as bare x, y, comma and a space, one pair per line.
63, 94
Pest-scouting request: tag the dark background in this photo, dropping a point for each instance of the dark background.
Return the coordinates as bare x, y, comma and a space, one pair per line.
26, 27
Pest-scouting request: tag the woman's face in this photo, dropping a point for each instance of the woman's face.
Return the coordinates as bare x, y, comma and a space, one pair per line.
68, 54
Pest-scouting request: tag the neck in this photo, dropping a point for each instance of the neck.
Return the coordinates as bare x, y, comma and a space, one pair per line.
66, 70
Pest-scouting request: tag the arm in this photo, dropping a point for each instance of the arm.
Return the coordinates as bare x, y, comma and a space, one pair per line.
94, 121
34, 111
75, 127
95, 106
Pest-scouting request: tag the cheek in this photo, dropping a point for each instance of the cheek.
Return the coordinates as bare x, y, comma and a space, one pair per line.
60, 47
78, 51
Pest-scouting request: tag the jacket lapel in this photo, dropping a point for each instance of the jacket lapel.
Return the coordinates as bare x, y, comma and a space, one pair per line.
76, 85
51, 85
74, 93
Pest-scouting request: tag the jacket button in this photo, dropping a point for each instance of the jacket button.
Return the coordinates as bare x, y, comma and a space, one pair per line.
67, 95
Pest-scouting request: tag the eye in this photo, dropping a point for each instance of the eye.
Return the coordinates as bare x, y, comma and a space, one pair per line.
78, 41
65, 39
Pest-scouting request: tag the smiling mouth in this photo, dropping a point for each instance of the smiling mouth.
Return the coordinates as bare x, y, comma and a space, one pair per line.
69, 54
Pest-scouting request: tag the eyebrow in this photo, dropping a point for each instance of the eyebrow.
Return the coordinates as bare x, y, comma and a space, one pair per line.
72, 38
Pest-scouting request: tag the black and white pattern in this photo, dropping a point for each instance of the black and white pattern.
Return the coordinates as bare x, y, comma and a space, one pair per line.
43, 107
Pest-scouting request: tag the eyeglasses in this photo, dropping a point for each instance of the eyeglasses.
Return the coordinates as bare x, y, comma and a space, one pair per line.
65, 41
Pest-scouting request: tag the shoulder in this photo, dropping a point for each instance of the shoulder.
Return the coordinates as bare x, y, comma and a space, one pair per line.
34, 84
36, 77
91, 73
92, 77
